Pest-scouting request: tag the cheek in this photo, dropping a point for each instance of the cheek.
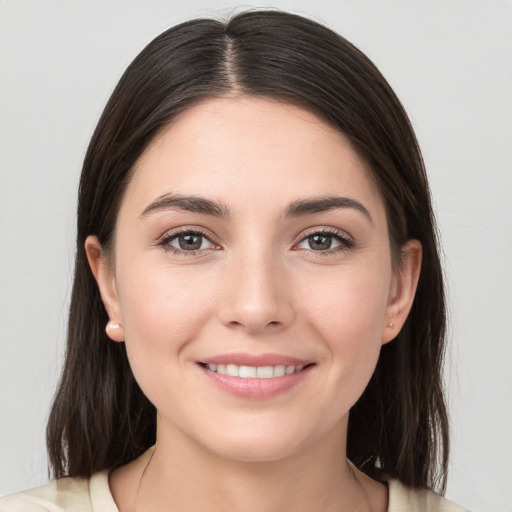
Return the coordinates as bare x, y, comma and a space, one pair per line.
350, 301
348, 314
162, 311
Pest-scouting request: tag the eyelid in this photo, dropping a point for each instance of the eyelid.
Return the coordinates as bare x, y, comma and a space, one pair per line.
325, 229
171, 234
346, 241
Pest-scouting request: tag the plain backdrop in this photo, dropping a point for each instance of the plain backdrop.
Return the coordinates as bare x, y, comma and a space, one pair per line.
449, 61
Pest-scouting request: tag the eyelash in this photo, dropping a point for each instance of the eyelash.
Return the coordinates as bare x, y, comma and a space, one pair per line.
169, 237
346, 243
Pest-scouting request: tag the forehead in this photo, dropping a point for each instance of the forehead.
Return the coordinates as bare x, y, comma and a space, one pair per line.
250, 151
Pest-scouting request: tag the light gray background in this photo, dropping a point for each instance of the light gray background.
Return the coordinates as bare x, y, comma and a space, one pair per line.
450, 63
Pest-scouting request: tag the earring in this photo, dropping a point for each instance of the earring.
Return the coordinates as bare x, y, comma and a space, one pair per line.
112, 325
391, 325
114, 331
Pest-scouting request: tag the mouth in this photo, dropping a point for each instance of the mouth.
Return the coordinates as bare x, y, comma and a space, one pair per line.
266, 377
255, 372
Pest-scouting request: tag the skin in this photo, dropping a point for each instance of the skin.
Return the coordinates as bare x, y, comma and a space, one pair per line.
258, 286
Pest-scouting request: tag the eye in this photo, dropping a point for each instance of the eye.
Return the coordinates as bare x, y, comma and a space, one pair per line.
189, 241
330, 241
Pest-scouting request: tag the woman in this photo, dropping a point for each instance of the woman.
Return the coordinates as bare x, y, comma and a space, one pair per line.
255, 232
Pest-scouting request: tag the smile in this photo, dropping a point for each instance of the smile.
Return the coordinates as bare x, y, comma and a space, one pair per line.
254, 372
256, 377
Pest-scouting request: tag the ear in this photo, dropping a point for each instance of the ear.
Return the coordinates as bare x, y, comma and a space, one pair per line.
402, 290
104, 275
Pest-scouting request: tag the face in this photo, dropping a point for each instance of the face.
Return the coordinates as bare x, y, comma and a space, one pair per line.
252, 276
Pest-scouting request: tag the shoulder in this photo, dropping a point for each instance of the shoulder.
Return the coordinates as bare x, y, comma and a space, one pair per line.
64, 495
405, 499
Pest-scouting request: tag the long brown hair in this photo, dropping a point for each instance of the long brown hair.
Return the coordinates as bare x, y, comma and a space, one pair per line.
100, 417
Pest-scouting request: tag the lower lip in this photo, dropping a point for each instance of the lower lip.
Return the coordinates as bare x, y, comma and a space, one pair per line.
256, 388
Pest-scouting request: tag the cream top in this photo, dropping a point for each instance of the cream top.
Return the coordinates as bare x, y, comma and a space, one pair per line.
93, 495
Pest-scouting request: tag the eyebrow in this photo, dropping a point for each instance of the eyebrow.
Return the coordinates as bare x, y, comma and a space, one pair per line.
299, 208
193, 204
323, 204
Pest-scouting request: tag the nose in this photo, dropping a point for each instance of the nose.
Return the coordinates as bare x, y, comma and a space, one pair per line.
258, 295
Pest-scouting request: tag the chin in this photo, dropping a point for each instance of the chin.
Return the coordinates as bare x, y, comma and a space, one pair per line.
266, 450
262, 443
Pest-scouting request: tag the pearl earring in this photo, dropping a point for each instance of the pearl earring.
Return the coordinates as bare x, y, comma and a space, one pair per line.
391, 325
111, 326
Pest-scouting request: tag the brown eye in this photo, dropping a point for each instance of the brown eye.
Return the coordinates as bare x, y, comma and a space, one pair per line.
320, 242
326, 242
190, 242
187, 242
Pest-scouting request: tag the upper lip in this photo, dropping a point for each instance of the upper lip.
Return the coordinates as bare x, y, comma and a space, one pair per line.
244, 359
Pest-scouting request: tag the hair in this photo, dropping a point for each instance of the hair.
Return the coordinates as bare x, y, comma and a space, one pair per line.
100, 418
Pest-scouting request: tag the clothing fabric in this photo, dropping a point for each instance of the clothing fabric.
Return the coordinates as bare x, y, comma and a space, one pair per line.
93, 495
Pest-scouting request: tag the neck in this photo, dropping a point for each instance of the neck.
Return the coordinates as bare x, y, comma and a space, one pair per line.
180, 475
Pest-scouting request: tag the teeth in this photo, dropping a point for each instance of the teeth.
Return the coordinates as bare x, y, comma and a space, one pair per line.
253, 372
279, 370
232, 370
265, 372
247, 372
